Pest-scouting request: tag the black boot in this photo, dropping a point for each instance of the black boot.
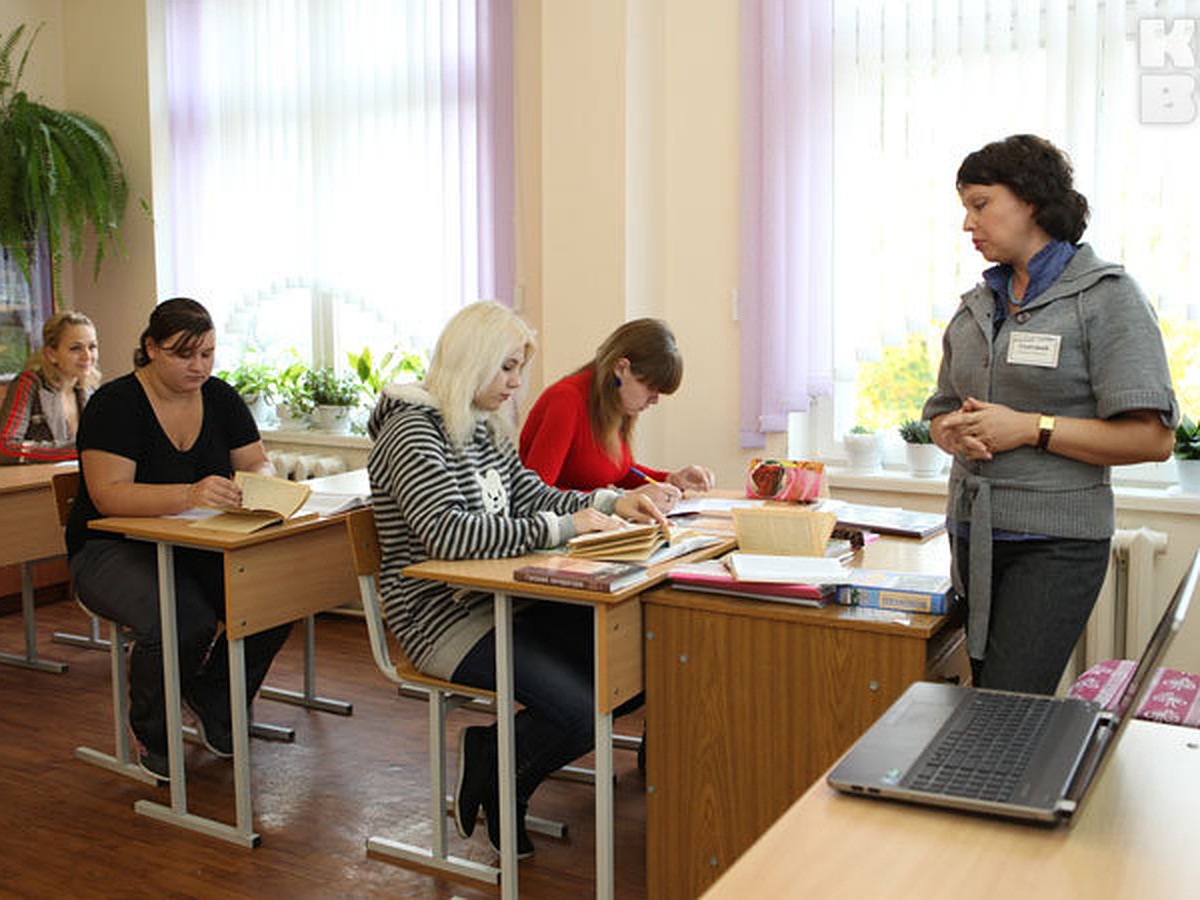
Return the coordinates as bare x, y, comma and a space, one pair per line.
476, 776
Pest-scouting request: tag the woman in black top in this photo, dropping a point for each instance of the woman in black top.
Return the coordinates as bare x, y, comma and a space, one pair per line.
161, 440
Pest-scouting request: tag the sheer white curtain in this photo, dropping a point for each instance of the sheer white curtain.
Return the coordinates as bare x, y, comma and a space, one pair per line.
341, 172
919, 84
916, 85
785, 303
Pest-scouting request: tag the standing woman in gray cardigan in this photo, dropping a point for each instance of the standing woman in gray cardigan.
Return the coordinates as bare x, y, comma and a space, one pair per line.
1053, 370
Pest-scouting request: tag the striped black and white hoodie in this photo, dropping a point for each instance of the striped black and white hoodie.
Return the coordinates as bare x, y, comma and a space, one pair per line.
434, 502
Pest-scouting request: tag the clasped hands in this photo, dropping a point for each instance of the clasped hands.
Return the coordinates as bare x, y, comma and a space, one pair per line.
979, 430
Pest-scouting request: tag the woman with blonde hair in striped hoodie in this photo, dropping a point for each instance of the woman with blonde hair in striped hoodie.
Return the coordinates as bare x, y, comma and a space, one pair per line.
447, 483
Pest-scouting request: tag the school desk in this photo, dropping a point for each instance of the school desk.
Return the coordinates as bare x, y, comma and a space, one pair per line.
748, 702
29, 531
276, 575
1134, 837
617, 628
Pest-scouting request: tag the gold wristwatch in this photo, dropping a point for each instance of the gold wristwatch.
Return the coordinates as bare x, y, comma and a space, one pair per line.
1045, 429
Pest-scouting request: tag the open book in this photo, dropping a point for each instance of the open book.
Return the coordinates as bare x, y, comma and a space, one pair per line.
639, 543
265, 501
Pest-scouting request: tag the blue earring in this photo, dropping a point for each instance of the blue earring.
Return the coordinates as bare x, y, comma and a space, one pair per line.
617, 379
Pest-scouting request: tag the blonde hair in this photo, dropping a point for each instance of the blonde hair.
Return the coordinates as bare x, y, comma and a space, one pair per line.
470, 351
52, 333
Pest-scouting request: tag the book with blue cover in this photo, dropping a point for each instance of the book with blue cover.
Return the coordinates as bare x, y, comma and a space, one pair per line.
901, 591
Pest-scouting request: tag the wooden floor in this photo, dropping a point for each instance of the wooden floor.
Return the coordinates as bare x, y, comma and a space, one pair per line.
68, 829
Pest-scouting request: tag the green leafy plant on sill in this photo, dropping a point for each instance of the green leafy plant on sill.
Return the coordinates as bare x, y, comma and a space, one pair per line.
328, 388
915, 431
292, 387
393, 366
251, 378
60, 175
862, 429
1187, 439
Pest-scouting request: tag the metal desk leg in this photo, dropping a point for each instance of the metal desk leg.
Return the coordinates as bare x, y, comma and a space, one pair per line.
604, 775
30, 659
506, 740
176, 813
309, 698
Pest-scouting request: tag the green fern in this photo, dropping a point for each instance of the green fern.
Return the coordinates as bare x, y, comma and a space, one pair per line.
60, 174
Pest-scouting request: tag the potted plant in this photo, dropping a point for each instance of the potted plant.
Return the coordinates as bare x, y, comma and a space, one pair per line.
396, 365
294, 401
255, 381
334, 395
1187, 455
864, 451
60, 176
925, 458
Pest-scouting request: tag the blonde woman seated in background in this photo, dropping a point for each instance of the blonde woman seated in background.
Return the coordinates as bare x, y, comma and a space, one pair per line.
41, 409
446, 483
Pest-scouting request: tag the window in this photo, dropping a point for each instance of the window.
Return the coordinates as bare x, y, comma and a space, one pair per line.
915, 87
340, 174
919, 85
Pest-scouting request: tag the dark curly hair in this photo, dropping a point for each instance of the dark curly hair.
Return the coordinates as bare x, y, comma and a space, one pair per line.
1038, 173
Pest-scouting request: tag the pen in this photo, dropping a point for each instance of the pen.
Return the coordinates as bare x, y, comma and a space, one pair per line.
636, 471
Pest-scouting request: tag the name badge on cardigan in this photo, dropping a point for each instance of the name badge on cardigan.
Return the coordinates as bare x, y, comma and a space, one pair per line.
1025, 348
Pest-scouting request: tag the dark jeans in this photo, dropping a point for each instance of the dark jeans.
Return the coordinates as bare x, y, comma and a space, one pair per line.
1042, 594
118, 580
552, 679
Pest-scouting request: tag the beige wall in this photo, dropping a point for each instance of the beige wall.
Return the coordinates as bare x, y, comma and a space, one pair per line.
635, 140
91, 58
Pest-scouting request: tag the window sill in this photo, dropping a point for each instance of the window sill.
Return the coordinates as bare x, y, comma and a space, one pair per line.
316, 438
1168, 499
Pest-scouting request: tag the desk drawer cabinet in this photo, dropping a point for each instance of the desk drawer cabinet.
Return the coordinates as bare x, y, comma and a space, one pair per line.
747, 704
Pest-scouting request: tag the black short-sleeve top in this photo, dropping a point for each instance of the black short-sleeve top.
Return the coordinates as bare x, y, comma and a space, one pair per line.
119, 419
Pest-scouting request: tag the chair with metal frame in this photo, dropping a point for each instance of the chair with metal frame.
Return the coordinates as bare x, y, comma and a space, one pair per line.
442, 696
65, 487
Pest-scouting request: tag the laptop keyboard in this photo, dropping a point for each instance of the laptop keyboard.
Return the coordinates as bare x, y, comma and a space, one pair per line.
986, 752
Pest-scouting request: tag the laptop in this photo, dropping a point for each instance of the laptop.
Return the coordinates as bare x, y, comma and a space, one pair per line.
1021, 756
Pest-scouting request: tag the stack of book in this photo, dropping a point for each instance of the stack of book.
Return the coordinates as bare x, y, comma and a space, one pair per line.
714, 577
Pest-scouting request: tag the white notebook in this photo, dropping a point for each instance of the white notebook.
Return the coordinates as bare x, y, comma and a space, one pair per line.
788, 569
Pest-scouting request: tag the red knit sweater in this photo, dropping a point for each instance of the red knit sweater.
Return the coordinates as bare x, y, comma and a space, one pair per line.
557, 441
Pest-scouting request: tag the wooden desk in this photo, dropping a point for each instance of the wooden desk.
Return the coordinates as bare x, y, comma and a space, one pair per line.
748, 702
273, 576
1136, 837
617, 632
29, 531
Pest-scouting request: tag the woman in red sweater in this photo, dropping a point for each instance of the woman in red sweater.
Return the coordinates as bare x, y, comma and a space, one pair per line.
577, 434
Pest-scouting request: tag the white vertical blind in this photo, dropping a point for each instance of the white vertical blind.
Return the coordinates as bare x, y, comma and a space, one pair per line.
919, 84
341, 171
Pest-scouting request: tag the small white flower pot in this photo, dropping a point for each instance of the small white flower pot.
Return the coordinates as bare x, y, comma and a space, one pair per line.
288, 420
261, 409
925, 460
1188, 473
335, 419
864, 452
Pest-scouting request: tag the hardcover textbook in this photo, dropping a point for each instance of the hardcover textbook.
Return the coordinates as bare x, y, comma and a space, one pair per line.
905, 591
583, 574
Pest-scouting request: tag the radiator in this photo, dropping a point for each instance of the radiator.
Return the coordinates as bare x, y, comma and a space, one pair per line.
1125, 610
302, 466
